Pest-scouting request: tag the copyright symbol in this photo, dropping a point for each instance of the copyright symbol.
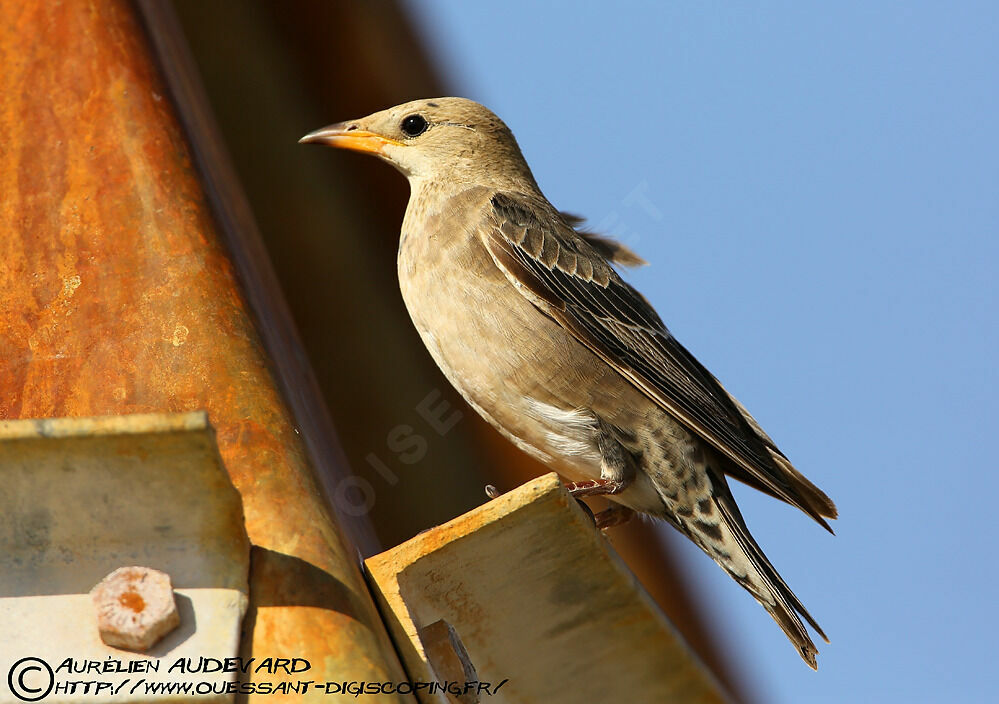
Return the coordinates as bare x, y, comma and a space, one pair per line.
30, 679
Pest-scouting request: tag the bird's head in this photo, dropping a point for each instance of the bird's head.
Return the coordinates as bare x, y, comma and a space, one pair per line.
435, 139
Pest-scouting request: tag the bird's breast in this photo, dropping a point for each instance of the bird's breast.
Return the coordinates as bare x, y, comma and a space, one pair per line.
471, 318
501, 353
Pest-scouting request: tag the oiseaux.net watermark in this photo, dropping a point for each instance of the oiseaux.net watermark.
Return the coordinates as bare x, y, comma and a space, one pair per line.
407, 443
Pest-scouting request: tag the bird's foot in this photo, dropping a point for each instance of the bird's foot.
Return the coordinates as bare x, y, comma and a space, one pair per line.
595, 487
614, 516
492, 492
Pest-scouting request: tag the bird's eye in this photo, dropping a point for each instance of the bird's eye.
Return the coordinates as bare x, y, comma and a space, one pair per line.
413, 126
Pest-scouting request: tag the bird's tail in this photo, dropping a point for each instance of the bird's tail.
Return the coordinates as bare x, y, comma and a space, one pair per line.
723, 534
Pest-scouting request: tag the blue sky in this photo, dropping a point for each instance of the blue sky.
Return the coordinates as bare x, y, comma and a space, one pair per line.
815, 186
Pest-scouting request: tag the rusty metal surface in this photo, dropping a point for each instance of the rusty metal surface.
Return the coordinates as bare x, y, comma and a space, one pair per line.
242, 237
117, 297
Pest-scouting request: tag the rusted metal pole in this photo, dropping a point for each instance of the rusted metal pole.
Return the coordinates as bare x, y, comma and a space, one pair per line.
117, 296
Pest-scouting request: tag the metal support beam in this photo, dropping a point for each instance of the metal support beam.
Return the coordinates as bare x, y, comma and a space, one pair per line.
526, 594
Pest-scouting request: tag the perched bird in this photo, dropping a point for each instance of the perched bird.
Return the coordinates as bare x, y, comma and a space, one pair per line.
530, 321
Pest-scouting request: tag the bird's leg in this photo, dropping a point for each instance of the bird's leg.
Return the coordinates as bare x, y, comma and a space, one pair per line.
594, 487
614, 516
617, 465
617, 468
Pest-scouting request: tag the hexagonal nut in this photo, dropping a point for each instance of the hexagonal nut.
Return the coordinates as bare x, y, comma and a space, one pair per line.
135, 608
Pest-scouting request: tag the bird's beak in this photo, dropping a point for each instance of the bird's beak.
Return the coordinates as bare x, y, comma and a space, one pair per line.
347, 135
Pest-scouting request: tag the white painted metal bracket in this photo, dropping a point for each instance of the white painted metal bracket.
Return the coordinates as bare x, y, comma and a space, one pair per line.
80, 497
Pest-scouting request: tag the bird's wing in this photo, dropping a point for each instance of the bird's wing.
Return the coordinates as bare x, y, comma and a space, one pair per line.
609, 248
568, 279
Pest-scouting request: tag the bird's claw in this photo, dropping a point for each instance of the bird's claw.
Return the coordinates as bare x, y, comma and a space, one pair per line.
594, 487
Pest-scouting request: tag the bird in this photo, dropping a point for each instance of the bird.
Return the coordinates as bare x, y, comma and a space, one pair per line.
527, 315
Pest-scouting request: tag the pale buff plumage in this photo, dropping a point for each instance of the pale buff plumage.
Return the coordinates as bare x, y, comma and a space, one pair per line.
531, 323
